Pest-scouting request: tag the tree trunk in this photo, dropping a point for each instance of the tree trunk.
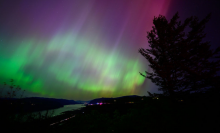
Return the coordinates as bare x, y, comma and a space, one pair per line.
172, 97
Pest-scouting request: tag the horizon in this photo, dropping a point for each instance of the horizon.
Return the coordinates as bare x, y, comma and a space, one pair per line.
73, 99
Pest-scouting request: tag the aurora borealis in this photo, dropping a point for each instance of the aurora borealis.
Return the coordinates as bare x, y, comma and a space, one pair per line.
77, 49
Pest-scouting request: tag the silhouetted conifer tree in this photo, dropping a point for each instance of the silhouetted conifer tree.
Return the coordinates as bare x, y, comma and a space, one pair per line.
180, 62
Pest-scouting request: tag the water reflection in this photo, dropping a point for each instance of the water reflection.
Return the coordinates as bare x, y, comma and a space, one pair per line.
57, 111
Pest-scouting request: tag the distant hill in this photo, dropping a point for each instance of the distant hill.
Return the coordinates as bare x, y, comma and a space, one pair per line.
32, 104
61, 101
94, 101
82, 102
122, 98
131, 96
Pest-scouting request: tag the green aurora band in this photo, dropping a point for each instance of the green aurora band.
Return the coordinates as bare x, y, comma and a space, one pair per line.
76, 64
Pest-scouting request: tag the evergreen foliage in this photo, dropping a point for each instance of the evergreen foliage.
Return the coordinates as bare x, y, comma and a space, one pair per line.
180, 61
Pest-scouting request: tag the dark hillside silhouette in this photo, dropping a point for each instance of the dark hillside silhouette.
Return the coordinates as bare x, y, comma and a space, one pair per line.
11, 105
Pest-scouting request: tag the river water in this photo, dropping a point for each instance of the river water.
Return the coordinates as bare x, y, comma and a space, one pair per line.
58, 111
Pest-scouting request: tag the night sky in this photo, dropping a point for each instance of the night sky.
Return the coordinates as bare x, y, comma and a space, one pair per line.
86, 49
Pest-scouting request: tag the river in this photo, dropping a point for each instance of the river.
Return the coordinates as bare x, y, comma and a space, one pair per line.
58, 111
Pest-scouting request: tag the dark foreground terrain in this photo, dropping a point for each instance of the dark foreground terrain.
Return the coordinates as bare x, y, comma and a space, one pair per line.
194, 114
